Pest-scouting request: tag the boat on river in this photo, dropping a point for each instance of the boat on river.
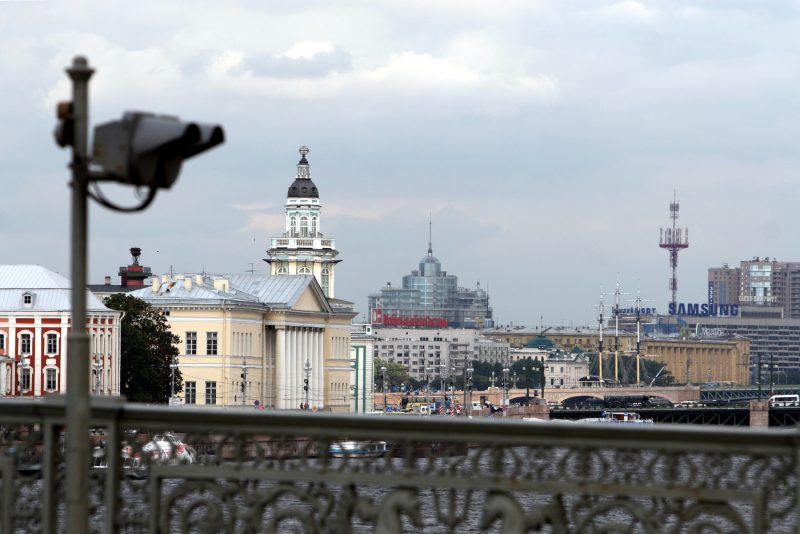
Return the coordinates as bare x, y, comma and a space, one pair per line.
161, 449
357, 449
618, 418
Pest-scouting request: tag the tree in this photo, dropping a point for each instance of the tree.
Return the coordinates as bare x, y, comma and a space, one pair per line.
148, 350
396, 373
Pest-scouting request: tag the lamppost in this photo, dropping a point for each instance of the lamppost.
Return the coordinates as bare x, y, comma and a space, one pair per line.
141, 150
98, 368
22, 367
470, 370
525, 369
383, 386
172, 367
505, 385
307, 373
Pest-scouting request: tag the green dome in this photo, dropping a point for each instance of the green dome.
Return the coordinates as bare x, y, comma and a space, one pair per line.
541, 342
576, 350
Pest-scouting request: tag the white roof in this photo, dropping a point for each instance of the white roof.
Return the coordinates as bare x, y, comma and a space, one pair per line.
50, 291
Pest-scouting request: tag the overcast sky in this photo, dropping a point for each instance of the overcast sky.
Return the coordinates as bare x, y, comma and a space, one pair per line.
546, 138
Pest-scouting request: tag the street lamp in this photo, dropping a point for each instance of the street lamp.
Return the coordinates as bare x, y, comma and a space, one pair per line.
470, 370
505, 385
383, 386
307, 371
143, 150
98, 368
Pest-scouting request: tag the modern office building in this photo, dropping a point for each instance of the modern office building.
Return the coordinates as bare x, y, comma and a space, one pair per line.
429, 297
302, 248
35, 321
762, 287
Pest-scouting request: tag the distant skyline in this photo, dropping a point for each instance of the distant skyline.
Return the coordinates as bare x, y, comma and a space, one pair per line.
545, 138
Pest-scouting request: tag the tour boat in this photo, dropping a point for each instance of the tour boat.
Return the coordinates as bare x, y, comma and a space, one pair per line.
618, 418
357, 449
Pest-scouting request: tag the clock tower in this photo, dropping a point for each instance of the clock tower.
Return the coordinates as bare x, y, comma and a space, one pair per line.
303, 249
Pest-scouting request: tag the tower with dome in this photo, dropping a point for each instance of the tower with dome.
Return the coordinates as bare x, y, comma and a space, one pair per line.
303, 249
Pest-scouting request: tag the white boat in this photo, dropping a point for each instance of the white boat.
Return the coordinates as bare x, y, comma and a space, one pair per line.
357, 449
159, 449
618, 418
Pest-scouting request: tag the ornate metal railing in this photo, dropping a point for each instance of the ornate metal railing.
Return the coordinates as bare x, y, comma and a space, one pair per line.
159, 469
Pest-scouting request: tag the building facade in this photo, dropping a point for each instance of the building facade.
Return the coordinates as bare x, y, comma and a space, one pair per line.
762, 287
362, 356
437, 353
35, 322
430, 297
302, 249
700, 361
277, 340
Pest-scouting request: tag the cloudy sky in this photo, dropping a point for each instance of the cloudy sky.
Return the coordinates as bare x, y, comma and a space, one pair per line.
545, 138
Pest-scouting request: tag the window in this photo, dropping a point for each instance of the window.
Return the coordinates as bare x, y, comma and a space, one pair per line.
26, 378
283, 270
304, 270
303, 226
293, 226
2, 341
211, 344
211, 392
191, 342
50, 379
191, 392
313, 226
326, 280
27, 299
52, 343
25, 343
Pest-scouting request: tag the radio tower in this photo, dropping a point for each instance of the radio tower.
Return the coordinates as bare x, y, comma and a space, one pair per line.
674, 239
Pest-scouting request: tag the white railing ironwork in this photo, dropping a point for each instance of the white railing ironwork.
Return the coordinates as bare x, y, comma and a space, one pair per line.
194, 469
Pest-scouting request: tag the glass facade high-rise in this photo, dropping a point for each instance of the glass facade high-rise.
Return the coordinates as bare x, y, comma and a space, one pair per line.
431, 297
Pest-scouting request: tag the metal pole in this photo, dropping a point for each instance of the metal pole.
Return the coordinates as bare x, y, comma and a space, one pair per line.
77, 440
383, 387
307, 369
172, 385
759, 376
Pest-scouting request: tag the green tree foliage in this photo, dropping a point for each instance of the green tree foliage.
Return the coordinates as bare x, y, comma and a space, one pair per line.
148, 349
396, 373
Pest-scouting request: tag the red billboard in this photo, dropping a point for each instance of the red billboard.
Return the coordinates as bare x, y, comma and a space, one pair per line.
378, 318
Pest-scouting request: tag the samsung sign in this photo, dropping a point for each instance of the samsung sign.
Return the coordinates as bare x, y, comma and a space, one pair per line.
704, 310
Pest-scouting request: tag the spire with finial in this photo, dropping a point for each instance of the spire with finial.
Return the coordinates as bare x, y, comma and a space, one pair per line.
303, 169
430, 235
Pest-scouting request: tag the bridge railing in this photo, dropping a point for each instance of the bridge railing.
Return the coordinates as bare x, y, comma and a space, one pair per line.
167, 469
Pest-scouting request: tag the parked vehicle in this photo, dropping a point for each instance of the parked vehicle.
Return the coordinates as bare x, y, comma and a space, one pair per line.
784, 400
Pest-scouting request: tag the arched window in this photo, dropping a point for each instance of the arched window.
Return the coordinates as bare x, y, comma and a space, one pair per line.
326, 279
304, 270
283, 270
303, 226
313, 227
292, 226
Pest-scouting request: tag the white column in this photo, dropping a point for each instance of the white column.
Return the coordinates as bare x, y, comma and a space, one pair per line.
321, 386
319, 368
280, 366
292, 379
62, 367
36, 360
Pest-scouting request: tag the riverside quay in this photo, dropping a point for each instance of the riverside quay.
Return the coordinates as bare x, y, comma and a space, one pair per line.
189, 469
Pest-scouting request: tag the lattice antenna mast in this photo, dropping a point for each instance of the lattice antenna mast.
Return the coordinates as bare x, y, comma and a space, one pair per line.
674, 239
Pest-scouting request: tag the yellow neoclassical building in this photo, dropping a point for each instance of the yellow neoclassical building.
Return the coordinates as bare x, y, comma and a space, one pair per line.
257, 337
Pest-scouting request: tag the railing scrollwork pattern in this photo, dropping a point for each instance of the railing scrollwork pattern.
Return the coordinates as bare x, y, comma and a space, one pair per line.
196, 470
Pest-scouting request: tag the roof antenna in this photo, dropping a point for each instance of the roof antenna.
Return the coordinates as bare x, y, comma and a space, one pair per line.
430, 234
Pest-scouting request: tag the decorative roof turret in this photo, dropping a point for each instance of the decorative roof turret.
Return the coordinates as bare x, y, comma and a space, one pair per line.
303, 187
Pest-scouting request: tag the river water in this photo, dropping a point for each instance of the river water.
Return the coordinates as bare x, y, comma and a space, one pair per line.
219, 506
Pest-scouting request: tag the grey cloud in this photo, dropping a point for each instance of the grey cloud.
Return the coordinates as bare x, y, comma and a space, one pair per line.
317, 66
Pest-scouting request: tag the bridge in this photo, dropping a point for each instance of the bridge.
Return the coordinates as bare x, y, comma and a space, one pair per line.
674, 394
